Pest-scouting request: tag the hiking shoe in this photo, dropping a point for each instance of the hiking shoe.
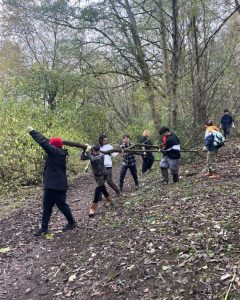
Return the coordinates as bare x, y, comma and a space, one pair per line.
69, 226
41, 231
93, 209
136, 187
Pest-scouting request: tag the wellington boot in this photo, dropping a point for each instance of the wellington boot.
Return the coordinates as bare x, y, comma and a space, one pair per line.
164, 176
109, 200
175, 178
92, 210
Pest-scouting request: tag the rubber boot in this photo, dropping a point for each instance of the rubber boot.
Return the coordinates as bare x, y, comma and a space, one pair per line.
175, 178
92, 210
164, 175
109, 200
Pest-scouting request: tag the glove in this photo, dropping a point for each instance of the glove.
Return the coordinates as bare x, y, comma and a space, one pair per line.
89, 148
205, 149
29, 128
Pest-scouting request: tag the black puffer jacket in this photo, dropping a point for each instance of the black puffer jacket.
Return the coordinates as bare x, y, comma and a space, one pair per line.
147, 142
54, 176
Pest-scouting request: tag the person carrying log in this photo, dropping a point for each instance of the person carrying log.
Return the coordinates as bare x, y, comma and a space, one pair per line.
54, 181
147, 157
105, 146
128, 162
99, 172
171, 155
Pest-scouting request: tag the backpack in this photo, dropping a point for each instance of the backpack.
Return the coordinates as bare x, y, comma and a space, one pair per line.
97, 163
219, 139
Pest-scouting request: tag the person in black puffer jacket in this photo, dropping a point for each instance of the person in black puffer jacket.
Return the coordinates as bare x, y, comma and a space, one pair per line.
171, 155
147, 157
54, 181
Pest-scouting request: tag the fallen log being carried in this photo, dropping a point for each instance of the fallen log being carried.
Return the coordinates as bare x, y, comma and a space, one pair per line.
130, 148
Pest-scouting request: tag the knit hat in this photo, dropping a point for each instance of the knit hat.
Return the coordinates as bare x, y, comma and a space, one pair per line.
57, 142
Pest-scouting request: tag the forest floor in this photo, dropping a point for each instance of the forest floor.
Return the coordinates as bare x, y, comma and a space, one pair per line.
180, 241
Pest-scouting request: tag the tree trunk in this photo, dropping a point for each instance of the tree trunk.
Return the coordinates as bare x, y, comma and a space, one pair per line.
167, 70
175, 64
142, 64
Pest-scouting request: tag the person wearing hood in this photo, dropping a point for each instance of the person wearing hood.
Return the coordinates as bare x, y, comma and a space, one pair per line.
212, 149
54, 181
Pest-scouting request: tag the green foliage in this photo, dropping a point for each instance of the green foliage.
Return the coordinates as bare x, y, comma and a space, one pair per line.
21, 157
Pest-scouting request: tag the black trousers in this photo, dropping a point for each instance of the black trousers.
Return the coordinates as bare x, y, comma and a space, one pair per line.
50, 198
98, 193
226, 131
123, 172
147, 163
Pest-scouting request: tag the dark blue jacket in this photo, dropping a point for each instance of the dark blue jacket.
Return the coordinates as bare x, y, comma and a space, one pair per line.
226, 121
54, 175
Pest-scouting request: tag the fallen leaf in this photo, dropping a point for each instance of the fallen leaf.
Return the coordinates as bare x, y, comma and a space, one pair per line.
48, 236
5, 249
72, 278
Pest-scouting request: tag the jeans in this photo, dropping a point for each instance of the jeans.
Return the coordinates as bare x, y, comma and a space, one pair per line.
226, 131
123, 172
169, 163
212, 161
50, 198
110, 181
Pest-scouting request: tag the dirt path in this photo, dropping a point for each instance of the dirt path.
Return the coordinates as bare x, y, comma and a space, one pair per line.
161, 242
21, 274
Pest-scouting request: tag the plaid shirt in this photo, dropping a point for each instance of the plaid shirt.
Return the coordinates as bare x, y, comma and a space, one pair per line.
128, 157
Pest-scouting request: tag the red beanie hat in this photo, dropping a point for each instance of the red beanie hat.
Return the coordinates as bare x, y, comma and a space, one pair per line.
57, 142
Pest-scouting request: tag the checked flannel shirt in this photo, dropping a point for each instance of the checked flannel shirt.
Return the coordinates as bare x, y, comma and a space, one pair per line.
128, 157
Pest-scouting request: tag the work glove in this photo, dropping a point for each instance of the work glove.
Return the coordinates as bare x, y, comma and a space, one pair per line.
29, 128
89, 148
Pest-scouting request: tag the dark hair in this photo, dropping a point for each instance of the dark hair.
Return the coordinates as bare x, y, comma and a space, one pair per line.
101, 138
226, 110
96, 147
126, 135
209, 122
163, 130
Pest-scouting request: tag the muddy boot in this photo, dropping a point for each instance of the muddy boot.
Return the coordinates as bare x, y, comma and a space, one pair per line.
175, 178
164, 179
92, 210
109, 200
